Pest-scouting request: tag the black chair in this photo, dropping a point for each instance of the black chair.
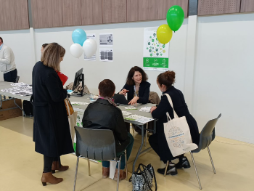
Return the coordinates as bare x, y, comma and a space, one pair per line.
96, 144
207, 135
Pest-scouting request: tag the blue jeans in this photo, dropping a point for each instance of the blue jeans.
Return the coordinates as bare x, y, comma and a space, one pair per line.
128, 150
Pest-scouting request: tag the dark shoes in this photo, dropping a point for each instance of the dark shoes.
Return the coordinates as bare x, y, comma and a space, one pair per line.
183, 163
170, 170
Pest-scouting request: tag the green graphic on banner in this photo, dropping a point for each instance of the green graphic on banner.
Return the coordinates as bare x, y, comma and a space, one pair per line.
155, 62
155, 54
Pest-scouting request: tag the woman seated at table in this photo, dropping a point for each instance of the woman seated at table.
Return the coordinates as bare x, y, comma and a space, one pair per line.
137, 89
158, 141
136, 86
103, 114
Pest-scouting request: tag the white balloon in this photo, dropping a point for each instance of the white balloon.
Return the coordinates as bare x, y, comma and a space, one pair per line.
76, 50
89, 47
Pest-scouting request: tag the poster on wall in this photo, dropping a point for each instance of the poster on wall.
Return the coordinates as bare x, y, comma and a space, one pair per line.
155, 54
106, 47
106, 54
106, 39
93, 58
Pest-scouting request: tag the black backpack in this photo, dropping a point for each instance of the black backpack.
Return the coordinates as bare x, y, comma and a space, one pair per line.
28, 108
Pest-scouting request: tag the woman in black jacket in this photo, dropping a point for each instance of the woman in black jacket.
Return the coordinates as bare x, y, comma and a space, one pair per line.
103, 114
158, 141
51, 127
136, 86
137, 89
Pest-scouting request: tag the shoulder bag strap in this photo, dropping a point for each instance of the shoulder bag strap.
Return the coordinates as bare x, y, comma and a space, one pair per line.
171, 104
155, 181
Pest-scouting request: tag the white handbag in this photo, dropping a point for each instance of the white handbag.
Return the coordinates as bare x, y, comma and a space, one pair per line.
177, 133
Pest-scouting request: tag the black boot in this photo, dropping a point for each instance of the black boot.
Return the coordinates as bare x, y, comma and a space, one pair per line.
170, 170
183, 163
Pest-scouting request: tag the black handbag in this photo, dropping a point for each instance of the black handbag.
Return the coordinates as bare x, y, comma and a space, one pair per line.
142, 179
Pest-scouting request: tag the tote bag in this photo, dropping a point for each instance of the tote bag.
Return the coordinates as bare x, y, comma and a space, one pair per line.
177, 133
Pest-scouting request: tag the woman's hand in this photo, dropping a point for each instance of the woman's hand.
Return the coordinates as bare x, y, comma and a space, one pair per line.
123, 92
152, 109
134, 101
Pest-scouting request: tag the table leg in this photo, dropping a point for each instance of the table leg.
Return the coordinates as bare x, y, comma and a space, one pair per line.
23, 113
140, 148
146, 134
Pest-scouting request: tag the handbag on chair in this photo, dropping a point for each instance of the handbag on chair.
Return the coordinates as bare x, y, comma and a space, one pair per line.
68, 107
142, 179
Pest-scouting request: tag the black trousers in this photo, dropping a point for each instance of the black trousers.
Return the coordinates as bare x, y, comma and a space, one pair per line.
11, 76
48, 163
153, 140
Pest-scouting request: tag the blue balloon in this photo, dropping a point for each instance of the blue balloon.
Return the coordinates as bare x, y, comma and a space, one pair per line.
79, 36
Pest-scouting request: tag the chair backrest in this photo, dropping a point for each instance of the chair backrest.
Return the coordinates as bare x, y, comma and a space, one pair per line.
207, 135
17, 79
154, 98
97, 144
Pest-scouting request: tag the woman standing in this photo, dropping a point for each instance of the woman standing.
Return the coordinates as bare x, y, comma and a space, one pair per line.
158, 141
51, 128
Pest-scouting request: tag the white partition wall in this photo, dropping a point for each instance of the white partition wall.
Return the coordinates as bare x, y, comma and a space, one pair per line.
224, 77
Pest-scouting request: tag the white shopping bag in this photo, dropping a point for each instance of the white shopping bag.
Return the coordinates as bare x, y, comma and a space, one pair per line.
112, 169
72, 122
177, 133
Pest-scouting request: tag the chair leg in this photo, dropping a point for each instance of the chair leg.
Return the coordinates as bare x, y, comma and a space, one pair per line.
193, 161
166, 168
89, 170
76, 174
209, 152
118, 174
126, 165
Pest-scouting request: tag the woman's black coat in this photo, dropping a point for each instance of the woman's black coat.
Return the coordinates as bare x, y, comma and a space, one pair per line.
144, 91
51, 127
181, 109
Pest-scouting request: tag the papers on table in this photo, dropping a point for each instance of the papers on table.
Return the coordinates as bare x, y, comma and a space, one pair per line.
21, 89
145, 109
138, 118
79, 103
130, 108
126, 113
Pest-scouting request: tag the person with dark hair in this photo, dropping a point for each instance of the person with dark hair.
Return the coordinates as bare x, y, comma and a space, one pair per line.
136, 86
137, 89
7, 62
158, 140
51, 132
103, 114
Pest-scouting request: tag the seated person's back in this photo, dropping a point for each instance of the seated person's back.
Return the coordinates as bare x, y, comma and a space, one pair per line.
103, 114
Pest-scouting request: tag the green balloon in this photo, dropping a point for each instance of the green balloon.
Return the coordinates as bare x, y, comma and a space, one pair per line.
175, 17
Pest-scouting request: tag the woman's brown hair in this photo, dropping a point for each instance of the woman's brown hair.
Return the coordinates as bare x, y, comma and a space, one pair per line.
45, 45
167, 78
52, 55
107, 88
130, 81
